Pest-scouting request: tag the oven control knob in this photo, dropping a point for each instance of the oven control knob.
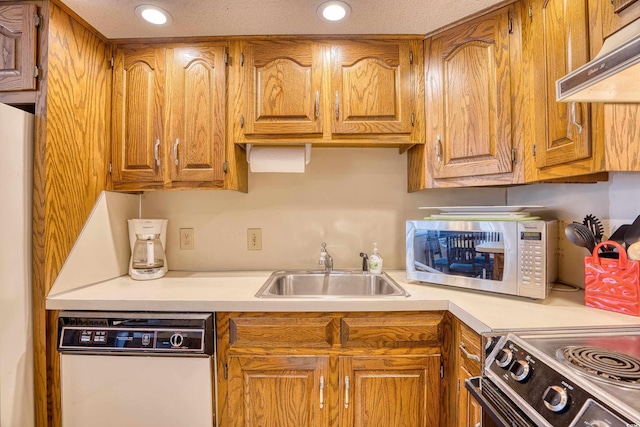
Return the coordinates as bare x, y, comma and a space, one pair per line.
555, 398
520, 370
504, 357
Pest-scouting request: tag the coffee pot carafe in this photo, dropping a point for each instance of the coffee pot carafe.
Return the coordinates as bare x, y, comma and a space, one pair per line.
147, 238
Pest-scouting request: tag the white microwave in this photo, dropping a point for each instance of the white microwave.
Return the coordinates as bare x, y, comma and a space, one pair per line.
508, 257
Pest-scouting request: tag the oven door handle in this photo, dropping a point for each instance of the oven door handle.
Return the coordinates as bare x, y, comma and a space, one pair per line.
499, 416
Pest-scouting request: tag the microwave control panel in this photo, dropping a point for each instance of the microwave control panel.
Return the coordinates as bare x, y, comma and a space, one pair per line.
537, 248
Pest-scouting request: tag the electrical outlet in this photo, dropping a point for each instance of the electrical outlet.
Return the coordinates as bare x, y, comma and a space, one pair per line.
254, 239
186, 238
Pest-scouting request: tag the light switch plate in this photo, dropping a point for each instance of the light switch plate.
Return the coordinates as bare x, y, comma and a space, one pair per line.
254, 239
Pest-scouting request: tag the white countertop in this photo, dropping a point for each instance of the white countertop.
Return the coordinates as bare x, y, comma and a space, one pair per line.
182, 291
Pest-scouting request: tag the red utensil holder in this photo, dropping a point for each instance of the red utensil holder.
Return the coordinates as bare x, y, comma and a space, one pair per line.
612, 284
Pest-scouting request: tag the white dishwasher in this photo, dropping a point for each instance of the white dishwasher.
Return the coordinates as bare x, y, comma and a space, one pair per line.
136, 369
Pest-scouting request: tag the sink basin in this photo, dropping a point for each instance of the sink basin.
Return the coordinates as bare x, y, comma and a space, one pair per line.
318, 284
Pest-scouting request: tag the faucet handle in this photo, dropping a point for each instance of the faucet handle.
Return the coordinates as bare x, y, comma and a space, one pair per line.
365, 263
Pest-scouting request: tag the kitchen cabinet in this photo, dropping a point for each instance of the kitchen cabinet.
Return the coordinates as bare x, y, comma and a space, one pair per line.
321, 369
618, 14
18, 39
168, 120
335, 92
473, 92
560, 143
467, 362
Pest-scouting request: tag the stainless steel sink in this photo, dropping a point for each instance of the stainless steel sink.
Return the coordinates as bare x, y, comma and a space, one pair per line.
338, 283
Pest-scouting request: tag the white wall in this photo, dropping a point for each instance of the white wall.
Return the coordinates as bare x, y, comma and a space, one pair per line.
614, 202
351, 198
348, 198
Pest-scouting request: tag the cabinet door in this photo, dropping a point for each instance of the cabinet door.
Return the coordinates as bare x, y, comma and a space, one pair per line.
18, 46
618, 14
400, 391
137, 126
278, 391
371, 87
468, 98
469, 410
283, 83
562, 131
196, 113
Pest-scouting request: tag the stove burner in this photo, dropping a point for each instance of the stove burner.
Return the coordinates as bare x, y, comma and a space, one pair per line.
606, 365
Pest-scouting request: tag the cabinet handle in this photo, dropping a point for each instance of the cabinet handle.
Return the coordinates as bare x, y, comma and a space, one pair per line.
156, 147
438, 148
574, 121
467, 354
175, 150
317, 104
346, 392
321, 391
337, 105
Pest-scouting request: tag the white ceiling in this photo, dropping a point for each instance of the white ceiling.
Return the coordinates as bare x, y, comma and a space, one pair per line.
116, 18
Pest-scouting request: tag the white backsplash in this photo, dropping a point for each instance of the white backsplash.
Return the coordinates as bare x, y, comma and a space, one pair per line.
615, 202
350, 198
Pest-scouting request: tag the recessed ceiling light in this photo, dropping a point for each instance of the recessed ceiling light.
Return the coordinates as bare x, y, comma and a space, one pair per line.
153, 14
334, 10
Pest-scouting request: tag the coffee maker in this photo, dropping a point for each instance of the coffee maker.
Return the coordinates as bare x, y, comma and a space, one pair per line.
148, 239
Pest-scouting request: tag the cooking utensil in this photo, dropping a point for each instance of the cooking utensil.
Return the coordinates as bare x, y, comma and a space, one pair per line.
580, 235
618, 235
633, 251
595, 225
632, 234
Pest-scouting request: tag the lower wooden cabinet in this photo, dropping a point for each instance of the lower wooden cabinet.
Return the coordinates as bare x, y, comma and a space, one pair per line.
330, 369
389, 391
467, 364
284, 390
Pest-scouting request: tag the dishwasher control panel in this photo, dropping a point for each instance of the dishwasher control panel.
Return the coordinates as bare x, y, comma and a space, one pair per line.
151, 334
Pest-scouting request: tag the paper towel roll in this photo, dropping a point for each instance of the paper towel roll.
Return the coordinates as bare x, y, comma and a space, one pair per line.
277, 159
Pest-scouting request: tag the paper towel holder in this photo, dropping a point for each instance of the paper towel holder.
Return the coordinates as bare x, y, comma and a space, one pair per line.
307, 153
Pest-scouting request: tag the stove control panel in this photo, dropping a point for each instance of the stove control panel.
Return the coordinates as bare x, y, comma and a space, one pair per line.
543, 392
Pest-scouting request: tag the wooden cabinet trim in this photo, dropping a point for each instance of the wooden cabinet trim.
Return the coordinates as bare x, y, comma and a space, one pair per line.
391, 332
281, 332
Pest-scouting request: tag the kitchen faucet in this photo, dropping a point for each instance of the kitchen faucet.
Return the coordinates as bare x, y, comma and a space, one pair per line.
365, 262
325, 259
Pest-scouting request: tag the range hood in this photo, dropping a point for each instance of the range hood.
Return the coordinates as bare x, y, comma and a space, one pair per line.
612, 76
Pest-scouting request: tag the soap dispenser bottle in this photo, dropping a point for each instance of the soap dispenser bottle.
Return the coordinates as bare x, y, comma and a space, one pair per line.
375, 261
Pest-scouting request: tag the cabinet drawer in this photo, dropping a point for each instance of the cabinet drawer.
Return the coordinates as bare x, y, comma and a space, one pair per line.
400, 331
469, 345
281, 332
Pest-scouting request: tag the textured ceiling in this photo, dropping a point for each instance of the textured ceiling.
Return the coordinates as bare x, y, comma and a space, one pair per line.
116, 18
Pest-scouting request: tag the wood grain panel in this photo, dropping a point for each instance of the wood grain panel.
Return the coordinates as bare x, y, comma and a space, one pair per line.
283, 391
371, 87
620, 14
391, 331
138, 114
468, 89
622, 137
281, 332
69, 174
283, 78
18, 47
390, 391
196, 113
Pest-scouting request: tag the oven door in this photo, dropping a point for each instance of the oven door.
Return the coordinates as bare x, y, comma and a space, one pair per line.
497, 409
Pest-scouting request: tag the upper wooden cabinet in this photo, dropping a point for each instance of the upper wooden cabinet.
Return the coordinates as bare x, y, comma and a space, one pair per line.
168, 120
372, 86
559, 42
336, 92
18, 41
137, 116
472, 86
283, 81
618, 14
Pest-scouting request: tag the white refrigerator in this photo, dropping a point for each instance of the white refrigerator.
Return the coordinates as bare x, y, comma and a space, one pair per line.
16, 335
